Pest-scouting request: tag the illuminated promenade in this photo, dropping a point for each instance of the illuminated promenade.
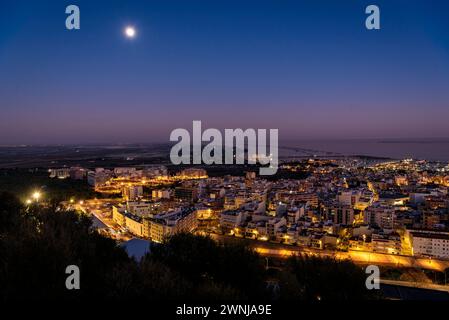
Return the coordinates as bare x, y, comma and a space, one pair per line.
359, 257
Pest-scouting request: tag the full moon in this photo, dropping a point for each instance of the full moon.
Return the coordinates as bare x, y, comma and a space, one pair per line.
130, 32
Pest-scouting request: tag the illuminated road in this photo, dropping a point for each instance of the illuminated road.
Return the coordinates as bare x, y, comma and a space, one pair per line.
420, 285
359, 257
101, 209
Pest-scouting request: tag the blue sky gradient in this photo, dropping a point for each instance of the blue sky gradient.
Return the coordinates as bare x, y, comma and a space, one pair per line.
309, 68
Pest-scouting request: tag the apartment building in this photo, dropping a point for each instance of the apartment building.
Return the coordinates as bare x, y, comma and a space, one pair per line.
430, 243
170, 223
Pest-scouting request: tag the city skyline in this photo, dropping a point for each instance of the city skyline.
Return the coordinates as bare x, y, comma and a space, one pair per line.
311, 73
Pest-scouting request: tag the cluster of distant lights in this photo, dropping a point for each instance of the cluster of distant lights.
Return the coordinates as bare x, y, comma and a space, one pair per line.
35, 196
72, 201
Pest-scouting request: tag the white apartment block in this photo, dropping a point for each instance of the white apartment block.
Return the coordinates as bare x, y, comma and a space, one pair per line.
430, 243
170, 223
143, 208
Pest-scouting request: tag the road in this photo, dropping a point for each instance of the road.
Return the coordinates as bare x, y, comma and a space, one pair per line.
420, 285
101, 209
359, 257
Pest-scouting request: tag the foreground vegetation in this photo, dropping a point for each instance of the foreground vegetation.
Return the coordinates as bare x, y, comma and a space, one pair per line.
38, 243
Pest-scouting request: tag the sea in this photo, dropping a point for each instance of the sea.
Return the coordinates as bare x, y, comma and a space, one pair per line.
420, 149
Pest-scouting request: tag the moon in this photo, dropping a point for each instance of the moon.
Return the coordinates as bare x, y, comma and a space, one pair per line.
130, 32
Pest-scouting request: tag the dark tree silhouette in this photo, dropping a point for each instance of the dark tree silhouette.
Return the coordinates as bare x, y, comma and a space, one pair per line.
329, 279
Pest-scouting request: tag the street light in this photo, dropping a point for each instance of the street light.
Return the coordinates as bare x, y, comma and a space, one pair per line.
36, 195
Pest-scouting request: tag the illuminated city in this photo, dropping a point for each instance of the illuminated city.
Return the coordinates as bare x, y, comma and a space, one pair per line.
392, 213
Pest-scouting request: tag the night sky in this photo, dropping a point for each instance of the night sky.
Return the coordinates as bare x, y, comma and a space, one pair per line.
309, 68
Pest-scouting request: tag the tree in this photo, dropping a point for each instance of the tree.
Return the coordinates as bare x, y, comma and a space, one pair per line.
329, 279
230, 268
